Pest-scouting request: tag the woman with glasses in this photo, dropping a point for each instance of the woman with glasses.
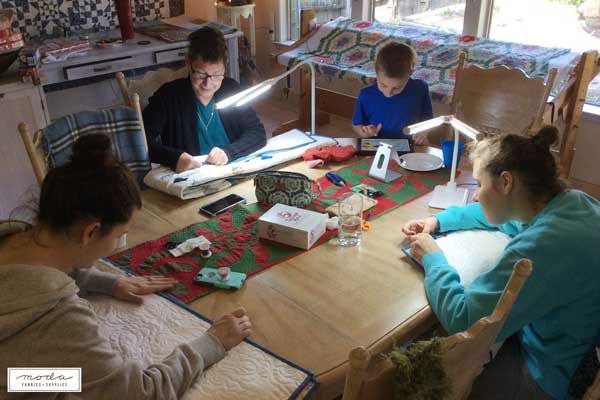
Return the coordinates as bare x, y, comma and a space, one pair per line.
182, 121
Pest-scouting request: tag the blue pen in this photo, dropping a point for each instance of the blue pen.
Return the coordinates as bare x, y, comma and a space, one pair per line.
335, 179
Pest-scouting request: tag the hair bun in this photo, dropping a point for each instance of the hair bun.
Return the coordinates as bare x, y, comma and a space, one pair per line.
92, 151
207, 34
546, 136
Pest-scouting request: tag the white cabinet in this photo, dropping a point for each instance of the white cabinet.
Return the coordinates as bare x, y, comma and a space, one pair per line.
19, 102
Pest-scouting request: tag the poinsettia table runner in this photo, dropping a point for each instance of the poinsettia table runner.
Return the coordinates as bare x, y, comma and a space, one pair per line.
235, 243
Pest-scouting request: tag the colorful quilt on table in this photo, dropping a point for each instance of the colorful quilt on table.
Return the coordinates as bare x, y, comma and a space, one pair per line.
345, 49
235, 243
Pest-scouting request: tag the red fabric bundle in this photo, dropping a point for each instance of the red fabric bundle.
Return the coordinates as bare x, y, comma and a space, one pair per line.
329, 153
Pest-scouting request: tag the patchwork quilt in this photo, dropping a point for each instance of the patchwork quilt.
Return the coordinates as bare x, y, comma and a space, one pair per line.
343, 51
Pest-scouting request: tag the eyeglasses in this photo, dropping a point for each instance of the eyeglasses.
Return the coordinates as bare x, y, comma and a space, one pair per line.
199, 75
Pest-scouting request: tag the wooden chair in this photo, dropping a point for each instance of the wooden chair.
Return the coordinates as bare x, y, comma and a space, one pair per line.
566, 108
146, 85
465, 353
499, 99
33, 143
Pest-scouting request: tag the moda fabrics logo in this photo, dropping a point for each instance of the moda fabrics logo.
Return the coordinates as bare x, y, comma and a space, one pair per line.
44, 379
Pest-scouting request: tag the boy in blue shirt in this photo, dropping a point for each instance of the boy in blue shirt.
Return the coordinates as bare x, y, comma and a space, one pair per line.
396, 100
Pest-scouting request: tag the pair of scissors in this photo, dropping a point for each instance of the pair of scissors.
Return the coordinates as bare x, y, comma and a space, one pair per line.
366, 225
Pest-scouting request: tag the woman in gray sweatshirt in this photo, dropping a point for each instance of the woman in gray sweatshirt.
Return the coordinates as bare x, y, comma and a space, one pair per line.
84, 207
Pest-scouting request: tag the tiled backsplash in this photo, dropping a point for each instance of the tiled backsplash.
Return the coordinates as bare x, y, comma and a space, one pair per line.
39, 17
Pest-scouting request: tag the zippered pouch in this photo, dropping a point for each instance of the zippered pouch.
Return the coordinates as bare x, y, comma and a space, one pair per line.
289, 188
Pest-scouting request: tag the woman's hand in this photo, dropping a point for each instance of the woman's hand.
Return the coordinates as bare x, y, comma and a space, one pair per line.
421, 139
132, 288
187, 162
217, 157
425, 225
422, 244
232, 328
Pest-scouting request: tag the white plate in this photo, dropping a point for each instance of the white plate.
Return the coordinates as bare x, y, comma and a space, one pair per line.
420, 162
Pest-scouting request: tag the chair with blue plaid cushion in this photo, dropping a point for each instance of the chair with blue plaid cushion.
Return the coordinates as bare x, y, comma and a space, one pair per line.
52, 146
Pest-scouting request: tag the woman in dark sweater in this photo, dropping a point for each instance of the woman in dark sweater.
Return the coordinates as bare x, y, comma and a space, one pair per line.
182, 121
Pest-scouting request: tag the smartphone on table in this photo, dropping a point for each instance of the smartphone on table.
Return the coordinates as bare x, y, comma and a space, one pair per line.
220, 206
210, 276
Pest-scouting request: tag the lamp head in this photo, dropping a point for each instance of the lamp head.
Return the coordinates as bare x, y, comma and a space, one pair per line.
444, 119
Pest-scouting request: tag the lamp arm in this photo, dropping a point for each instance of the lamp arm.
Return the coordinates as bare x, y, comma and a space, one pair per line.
252, 90
249, 94
312, 88
276, 79
425, 125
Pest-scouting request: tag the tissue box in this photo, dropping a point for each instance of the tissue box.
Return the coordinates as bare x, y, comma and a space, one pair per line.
291, 225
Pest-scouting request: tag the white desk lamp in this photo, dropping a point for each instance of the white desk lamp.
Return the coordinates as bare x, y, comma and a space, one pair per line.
448, 195
249, 94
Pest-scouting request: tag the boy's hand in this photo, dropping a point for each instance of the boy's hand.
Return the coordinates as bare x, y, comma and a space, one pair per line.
421, 139
368, 131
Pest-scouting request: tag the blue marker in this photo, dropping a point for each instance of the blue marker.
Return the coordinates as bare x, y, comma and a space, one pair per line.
335, 179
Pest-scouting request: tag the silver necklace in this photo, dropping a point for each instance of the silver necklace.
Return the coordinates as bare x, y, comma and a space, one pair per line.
212, 114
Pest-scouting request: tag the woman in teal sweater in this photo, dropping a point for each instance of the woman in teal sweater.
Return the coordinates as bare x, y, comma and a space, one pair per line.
556, 318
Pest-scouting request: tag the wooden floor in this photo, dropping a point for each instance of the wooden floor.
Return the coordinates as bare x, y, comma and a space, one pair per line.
275, 109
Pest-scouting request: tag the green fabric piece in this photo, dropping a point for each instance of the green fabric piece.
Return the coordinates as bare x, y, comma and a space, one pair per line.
420, 372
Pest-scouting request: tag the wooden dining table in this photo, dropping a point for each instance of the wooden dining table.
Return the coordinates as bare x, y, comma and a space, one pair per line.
314, 308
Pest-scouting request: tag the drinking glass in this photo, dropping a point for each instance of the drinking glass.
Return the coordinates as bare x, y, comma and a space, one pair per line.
350, 207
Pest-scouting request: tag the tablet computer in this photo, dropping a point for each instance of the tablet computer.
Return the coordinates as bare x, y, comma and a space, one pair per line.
369, 146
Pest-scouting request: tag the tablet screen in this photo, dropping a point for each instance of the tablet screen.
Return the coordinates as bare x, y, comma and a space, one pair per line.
371, 145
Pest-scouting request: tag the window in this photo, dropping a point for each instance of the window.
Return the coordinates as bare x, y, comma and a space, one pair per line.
573, 24
445, 14
325, 10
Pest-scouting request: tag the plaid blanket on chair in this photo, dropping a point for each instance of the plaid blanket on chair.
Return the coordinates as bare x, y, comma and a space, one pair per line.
120, 124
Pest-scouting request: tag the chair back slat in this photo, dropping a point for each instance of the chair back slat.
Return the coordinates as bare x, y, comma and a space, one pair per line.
500, 99
146, 85
567, 107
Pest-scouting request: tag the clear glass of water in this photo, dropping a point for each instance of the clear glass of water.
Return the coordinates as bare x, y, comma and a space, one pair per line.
350, 209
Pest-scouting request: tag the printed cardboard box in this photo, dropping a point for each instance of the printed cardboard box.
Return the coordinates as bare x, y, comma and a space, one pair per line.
291, 225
